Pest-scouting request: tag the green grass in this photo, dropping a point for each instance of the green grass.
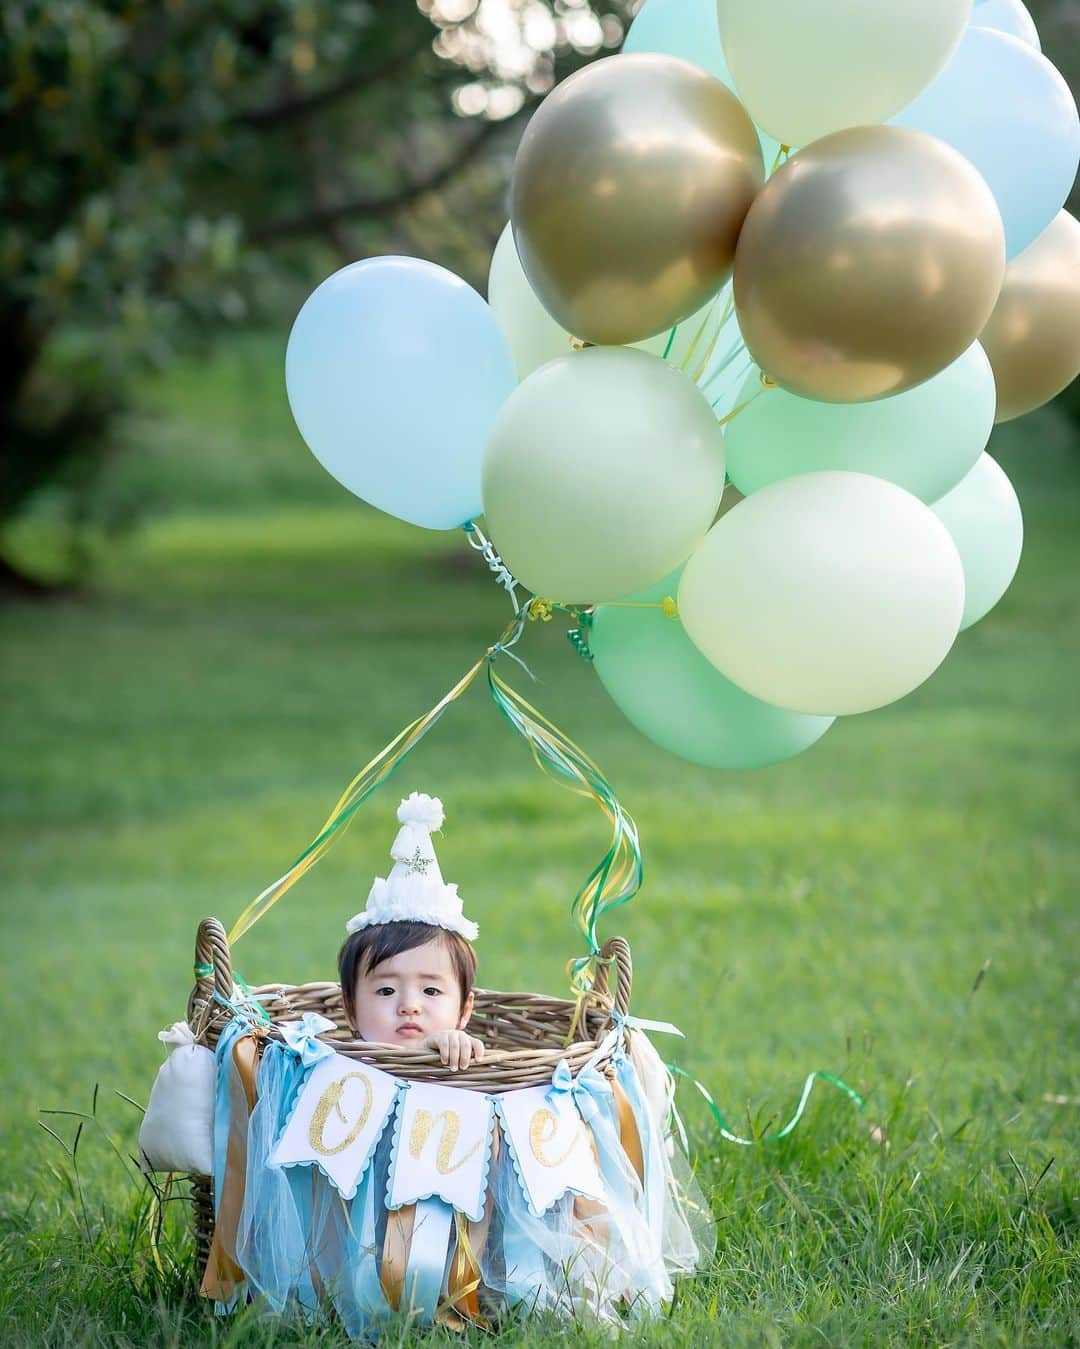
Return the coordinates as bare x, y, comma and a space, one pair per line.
174, 737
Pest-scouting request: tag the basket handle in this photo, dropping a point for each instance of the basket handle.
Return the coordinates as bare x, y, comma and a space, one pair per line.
211, 952
616, 950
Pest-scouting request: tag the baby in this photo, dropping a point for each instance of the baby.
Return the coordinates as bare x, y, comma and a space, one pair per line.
407, 968
409, 983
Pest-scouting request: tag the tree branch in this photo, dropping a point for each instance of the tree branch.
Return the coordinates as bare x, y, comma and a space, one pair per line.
302, 105
324, 217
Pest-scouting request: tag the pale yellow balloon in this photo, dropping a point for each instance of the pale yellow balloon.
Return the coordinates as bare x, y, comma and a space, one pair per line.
805, 68
1033, 337
829, 593
630, 186
535, 338
603, 471
867, 264
532, 334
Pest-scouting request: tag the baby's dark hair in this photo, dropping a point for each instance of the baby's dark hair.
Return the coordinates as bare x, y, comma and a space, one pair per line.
370, 946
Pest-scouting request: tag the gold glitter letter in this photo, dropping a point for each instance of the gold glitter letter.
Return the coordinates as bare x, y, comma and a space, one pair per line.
423, 1124
543, 1127
331, 1100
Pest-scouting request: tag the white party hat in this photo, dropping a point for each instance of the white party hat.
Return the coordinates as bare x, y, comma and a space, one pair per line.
415, 891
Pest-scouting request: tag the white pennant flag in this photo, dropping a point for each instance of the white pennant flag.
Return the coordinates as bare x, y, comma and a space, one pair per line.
338, 1119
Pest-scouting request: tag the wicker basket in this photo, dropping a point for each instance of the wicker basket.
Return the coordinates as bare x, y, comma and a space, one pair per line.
525, 1034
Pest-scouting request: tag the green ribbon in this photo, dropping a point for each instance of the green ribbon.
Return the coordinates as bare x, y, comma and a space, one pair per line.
730, 1137
203, 970
618, 875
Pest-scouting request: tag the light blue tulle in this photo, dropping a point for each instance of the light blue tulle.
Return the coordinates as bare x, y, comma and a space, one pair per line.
306, 1249
272, 1244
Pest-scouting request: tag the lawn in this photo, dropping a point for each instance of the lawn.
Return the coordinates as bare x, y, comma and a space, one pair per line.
898, 905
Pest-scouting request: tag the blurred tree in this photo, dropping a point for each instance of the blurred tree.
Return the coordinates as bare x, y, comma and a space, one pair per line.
166, 167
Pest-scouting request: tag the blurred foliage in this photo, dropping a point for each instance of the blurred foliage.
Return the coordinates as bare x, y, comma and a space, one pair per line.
167, 168
170, 167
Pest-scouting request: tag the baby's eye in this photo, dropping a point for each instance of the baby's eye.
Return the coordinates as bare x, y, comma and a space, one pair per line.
385, 992
433, 992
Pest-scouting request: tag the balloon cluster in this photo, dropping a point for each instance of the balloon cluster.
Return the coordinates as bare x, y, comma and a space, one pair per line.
851, 317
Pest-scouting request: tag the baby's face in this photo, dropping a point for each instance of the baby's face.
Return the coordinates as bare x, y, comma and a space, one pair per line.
410, 996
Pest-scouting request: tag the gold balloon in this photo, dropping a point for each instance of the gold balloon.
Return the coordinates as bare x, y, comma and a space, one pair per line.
868, 263
1033, 337
630, 186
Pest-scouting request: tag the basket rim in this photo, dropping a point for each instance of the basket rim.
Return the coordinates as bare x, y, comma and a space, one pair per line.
593, 1016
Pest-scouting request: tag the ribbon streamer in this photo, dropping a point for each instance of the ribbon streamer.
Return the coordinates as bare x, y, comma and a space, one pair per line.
808, 1086
372, 775
617, 877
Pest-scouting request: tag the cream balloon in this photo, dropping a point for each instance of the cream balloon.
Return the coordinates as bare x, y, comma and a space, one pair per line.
603, 471
830, 593
804, 70
532, 334
982, 514
535, 338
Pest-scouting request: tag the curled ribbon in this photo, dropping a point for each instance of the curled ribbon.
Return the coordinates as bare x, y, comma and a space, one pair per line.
302, 1037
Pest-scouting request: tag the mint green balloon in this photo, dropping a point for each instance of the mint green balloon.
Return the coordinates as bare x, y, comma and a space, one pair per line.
665, 687
924, 440
983, 516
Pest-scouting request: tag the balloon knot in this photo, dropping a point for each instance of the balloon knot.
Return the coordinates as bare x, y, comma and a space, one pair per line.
540, 610
669, 608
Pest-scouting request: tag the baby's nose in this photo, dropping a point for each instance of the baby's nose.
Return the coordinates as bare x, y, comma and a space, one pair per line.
409, 1005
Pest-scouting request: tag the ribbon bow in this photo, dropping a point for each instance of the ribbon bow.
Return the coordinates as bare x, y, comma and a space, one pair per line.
584, 1090
302, 1037
643, 1023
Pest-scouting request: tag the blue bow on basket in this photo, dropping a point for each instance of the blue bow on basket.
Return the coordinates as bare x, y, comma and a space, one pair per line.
584, 1090
302, 1037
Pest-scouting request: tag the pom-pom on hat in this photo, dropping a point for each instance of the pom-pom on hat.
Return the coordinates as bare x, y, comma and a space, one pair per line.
415, 891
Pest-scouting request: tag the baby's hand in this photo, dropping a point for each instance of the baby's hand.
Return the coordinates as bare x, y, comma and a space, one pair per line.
456, 1049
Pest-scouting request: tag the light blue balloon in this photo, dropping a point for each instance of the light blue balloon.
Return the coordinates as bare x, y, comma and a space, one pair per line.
689, 28
1009, 111
1007, 16
395, 370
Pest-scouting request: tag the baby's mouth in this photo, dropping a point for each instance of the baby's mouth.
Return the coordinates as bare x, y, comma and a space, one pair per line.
409, 1029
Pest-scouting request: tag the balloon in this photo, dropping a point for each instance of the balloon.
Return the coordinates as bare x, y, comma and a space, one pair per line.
1007, 16
804, 70
665, 687
924, 440
1006, 108
395, 370
688, 28
535, 338
1033, 337
828, 593
868, 263
630, 186
603, 470
983, 517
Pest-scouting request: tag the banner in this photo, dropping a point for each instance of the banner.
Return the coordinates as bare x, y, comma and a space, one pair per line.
340, 1114
442, 1147
553, 1150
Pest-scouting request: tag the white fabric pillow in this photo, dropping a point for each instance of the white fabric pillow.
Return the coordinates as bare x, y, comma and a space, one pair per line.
177, 1131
